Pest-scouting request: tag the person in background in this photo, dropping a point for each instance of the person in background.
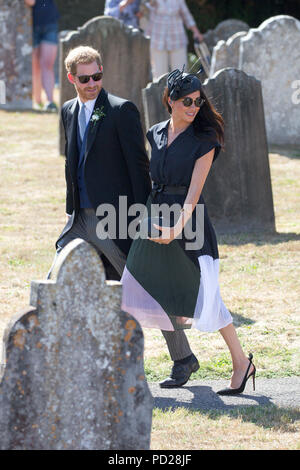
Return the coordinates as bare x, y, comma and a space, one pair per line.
45, 42
126, 11
168, 39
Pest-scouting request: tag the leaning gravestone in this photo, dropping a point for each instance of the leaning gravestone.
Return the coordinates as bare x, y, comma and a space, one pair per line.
15, 54
125, 55
226, 53
238, 190
271, 53
73, 375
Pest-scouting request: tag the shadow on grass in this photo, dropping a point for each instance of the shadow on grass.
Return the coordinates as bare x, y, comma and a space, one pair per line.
259, 239
263, 413
289, 152
239, 320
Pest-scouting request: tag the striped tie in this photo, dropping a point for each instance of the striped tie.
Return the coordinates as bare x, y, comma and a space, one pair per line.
82, 121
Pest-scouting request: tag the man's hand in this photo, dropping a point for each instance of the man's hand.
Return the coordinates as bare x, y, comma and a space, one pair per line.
68, 216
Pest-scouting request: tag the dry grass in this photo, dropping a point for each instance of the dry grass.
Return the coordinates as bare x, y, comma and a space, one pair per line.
31, 203
259, 281
254, 428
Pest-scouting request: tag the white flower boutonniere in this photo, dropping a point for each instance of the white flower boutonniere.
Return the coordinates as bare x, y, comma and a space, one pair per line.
97, 115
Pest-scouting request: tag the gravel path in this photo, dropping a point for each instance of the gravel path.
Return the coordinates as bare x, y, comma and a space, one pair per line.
200, 394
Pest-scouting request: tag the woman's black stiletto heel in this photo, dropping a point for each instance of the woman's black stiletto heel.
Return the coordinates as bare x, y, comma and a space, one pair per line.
236, 391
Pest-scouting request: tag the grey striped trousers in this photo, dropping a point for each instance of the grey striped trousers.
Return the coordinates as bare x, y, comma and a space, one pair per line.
85, 228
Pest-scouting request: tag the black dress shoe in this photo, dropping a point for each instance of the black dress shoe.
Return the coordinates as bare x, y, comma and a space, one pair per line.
180, 373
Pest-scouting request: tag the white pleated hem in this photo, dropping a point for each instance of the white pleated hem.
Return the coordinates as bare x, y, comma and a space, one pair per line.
210, 312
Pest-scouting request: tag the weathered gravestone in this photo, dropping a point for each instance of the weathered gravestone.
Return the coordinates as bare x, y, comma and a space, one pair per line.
125, 55
226, 53
271, 53
154, 111
15, 54
74, 376
238, 189
223, 31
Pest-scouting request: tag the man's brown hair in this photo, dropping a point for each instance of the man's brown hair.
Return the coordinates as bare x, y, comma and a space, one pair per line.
81, 55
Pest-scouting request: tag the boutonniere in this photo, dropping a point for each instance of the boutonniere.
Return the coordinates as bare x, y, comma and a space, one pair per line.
97, 115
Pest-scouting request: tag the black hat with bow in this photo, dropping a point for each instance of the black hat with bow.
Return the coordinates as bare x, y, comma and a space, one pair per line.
181, 84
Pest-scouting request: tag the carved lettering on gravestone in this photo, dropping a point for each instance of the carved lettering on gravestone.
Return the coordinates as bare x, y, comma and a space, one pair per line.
74, 376
238, 189
15, 55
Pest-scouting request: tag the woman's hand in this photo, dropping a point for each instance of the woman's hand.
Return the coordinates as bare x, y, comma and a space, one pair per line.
200, 172
197, 34
168, 233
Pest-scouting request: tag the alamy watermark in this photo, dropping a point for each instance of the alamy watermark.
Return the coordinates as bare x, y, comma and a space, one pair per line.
141, 226
2, 92
296, 95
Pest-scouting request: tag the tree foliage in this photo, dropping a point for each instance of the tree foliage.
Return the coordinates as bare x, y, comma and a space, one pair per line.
208, 13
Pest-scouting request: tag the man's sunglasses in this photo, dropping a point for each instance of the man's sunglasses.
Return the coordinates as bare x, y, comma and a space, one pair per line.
86, 78
188, 101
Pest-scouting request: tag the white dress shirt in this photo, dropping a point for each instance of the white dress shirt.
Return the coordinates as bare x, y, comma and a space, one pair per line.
89, 108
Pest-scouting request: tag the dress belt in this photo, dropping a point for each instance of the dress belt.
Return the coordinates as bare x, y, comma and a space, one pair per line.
158, 188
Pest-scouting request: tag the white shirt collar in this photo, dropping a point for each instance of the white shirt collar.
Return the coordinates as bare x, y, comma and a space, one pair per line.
89, 104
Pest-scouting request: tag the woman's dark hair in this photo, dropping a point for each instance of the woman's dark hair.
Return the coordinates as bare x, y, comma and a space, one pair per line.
207, 117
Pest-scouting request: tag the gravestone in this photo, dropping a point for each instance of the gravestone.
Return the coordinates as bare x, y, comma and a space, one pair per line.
15, 54
271, 53
223, 31
154, 111
72, 365
226, 53
238, 190
125, 55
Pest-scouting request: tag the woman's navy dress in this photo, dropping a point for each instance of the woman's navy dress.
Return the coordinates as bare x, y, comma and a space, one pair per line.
175, 286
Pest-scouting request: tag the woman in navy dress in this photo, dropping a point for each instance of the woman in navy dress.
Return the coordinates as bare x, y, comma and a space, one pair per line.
170, 280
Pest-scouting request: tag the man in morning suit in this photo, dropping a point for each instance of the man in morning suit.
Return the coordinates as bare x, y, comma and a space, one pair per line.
105, 157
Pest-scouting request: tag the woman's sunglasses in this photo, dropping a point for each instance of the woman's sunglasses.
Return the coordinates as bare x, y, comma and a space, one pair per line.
187, 101
86, 78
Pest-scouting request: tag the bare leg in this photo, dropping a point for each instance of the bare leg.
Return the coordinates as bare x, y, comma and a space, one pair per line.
36, 76
47, 60
240, 361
